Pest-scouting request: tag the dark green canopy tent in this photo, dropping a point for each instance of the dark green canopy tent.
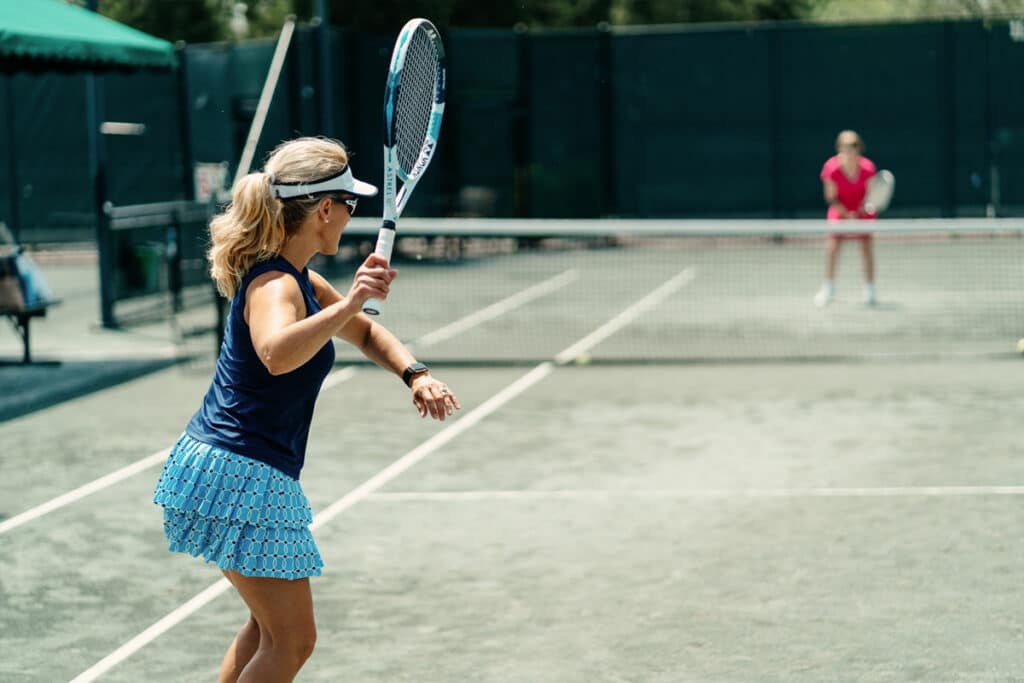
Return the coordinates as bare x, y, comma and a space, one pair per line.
52, 35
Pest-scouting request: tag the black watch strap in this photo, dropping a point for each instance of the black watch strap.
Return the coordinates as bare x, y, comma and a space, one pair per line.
412, 371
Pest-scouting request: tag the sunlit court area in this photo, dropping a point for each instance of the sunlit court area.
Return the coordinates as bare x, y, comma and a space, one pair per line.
702, 363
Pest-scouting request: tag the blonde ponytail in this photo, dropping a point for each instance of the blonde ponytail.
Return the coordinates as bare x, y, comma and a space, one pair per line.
249, 231
256, 224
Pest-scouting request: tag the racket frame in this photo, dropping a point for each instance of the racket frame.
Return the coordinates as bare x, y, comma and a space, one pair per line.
875, 201
394, 199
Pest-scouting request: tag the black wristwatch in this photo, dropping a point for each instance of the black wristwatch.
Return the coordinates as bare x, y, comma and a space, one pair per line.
412, 371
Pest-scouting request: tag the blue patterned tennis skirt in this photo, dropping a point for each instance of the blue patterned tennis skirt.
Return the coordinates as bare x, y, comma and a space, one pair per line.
242, 514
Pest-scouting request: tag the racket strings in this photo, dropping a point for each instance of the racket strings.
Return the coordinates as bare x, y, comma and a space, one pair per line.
879, 190
415, 99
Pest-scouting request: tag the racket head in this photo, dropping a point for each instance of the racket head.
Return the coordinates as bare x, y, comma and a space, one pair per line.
880, 189
414, 99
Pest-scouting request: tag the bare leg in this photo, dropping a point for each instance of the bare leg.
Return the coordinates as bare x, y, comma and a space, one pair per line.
242, 649
870, 296
824, 295
283, 612
831, 256
869, 261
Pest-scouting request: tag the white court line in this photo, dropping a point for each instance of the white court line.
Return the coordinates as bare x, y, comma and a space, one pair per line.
626, 317
151, 633
369, 486
337, 377
83, 491
334, 379
432, 444
356, 495
682, 494
500, 308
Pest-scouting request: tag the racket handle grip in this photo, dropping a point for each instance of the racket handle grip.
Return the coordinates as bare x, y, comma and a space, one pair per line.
385, 244
373, 306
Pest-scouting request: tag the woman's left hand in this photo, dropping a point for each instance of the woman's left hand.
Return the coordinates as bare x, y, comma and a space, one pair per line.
433, 396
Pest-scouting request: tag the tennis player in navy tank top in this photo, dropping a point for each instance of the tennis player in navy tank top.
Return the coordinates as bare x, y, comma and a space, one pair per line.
230, 488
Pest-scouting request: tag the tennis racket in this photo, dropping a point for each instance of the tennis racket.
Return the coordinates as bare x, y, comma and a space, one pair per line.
413, 106
879, 193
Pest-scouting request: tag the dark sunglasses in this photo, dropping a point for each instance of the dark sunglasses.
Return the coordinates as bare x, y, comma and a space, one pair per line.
350, 202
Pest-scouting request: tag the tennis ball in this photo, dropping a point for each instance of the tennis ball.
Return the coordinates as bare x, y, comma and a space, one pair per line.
584, 358
1020, 346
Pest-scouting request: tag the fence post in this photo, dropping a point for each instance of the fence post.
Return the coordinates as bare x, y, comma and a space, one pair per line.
14, 186
947, 89
775, 65
173, 251
94, 115
185, 125
325, 93
523, 174
98, 167
606, 106
991, 146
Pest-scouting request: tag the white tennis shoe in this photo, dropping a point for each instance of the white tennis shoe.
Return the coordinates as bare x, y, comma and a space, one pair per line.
870, 296
824, 295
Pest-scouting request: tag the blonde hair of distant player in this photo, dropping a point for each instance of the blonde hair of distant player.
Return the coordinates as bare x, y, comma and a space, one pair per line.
849, 139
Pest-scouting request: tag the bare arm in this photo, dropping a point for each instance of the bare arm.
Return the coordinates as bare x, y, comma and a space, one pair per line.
430, 396
283, 336
371, 338
831, 191
832, 197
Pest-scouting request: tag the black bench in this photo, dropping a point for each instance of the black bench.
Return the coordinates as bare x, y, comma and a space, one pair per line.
22, 306
22, 318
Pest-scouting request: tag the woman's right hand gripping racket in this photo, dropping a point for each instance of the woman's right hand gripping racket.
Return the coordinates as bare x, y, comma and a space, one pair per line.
413, 107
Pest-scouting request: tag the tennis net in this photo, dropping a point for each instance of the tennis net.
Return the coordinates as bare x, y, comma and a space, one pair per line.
494, 291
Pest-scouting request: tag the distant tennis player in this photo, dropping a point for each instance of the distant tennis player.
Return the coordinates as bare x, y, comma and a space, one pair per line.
845, 178
230, 488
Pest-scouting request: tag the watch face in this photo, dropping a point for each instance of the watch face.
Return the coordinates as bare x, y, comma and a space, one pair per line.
413, 370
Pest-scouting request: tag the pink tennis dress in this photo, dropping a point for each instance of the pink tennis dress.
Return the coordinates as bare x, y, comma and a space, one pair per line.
851, 192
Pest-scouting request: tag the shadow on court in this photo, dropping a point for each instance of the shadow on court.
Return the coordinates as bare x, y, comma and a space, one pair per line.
74, 356
28, 388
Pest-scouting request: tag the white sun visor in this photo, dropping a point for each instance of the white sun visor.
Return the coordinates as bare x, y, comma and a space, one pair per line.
340, 182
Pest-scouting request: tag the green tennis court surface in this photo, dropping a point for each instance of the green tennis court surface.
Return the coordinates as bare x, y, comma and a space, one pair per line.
848, 517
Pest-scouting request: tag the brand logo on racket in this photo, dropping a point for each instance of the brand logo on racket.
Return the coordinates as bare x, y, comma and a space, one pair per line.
425, 154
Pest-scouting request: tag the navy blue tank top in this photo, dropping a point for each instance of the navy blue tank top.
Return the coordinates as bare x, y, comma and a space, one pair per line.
251, 412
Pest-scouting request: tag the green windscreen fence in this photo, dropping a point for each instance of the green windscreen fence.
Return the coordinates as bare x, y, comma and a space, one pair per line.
1005, 57
47, 191
484, 130
654, 122
568, 126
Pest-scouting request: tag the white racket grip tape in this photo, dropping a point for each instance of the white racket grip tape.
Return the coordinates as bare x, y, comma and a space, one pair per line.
385, 244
